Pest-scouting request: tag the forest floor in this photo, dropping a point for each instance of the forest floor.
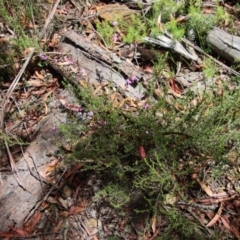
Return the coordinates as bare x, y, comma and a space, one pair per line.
118, 135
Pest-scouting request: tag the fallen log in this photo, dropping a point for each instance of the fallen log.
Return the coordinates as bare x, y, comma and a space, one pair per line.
16, 203
224, 44
99, 65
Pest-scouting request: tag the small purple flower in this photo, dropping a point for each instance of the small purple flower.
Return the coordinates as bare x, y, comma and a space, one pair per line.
133, 79
82, 72
90, 113
128, 82
54, 128
126, 107
42, 56
69, 60
147, 132
145, 106
115, 37
55, 60
114, 23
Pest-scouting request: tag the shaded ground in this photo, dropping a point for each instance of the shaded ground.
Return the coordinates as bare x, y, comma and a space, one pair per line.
65, 203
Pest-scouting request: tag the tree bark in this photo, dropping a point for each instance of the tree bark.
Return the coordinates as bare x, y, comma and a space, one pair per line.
100, 65
15, 202
224, 44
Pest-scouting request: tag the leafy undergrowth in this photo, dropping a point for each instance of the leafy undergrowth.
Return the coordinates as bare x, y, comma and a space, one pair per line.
169, 164
163, 152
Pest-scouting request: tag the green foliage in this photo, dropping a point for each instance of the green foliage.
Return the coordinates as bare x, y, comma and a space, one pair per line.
165, 8
177, 140
176, 143
209, 68
114, 194
23, 42
11, 140
106, 31
179, 227
177, 30
131, 33
165, 12
202, 23
11, 12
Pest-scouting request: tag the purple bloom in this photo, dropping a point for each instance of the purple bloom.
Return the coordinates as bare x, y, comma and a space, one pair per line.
133, 79
90, 113
145, 106
82, 72
114, 23
115, 37
126, 107
42, 56
69, 60
128, 82
147, 132
54, 128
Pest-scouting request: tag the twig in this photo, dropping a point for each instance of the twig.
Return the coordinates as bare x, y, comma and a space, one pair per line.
8, 94
13, 166
212, 207
49, 19
14, 84
105, 44
29, 154
45, 198
216, 217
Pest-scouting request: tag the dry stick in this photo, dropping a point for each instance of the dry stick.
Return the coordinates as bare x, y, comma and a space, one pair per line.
29, 169
11, 89
216, 217
13, 166
215, 60
8, 94
49, 19
14, 84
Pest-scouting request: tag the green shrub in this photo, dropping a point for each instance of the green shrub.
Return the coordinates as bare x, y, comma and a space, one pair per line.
176, 144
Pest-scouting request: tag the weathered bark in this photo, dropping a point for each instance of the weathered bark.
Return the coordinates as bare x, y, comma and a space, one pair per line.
224, 44
100, 65
15, 202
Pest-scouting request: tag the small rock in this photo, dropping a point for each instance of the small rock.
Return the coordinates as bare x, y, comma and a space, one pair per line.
92, 226
66, 192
